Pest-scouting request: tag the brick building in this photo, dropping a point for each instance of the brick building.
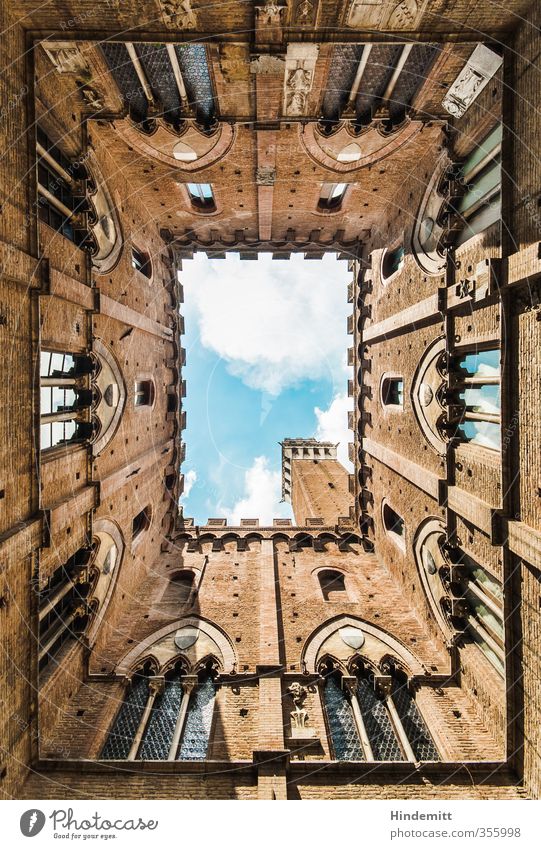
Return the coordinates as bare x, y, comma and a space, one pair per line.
386, 644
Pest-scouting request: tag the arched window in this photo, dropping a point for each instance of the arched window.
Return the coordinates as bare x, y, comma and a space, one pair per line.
463, 595
350, 153
374, 718
392, 261
122, 735
331, 196
333, 585
479, 206
201, 196
414, 726
196, 737
379, 728
65, 399
141, 262
62, 204
164, 718
393, 524
177, 593
392, 392
141, 522
475, 385
144, 393
63, 609
343, 730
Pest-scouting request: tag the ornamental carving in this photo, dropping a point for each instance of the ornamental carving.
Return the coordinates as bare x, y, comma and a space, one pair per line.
179, 13
305, 12
300, 65
374, 14
271, 13
67, 58
480, 68
299, 716
267, 64
265, 175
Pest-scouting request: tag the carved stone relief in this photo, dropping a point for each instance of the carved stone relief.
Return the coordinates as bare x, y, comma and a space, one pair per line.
479, 69
266, 64
179, 14
300, 64
374, 14
305, 12
67, 58
265, 175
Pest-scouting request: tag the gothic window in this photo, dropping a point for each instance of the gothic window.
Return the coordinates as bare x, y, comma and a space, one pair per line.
122, 735
464, 596
201, 196
164, 718
160, 731
144, 393
103, 222
392, 391
331, 196
475, 397
141, 522
332, 584
141, 262
480, 176
195, 740
393, 524
392, 261
63, 611
65, 399
414, 726
177, 593
343, 730
375, 714
61, 191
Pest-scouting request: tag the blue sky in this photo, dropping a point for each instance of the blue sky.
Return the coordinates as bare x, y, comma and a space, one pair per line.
266, 349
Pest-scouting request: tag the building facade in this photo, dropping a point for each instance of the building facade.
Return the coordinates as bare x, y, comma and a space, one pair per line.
385, 645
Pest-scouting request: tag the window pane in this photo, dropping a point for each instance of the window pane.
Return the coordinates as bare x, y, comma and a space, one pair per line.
482, 399
481, 363
413, 723
383, 740
45, 436
486, 434
159, 732
120, 739
484, 614
487, 650
342, 727
45, 362
46, 400
338, 190
196, 736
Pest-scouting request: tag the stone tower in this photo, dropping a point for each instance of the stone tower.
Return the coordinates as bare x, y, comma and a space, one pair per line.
314, 481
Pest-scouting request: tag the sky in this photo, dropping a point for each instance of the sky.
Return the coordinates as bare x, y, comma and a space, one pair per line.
266, 359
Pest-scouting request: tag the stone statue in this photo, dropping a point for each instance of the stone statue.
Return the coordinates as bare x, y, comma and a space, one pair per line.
299, 716
297, 88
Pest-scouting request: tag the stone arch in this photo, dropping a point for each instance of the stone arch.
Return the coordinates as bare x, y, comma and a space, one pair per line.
377, 642
162, 645
427, 395
375, 143
110, 391
104, 221
103, 528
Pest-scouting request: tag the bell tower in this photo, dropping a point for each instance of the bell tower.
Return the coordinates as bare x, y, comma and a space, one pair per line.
314, 481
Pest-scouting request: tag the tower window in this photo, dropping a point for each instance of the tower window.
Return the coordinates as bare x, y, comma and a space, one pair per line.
201, 196
475, 382
480, 205
62, 204
144, 393
331, 196
392, 261
392, 392
141, 262
63, 399
333, 585
141, 522
394, 524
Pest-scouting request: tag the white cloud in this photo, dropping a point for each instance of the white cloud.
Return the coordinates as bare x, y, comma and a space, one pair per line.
190, 478
275, 322
332, 426
261, 499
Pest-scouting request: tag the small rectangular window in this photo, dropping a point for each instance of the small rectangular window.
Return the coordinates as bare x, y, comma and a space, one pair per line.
141, 262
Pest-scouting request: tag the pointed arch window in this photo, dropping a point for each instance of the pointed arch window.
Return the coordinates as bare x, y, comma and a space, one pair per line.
164, 718
374, 717
475, 385
65, 399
